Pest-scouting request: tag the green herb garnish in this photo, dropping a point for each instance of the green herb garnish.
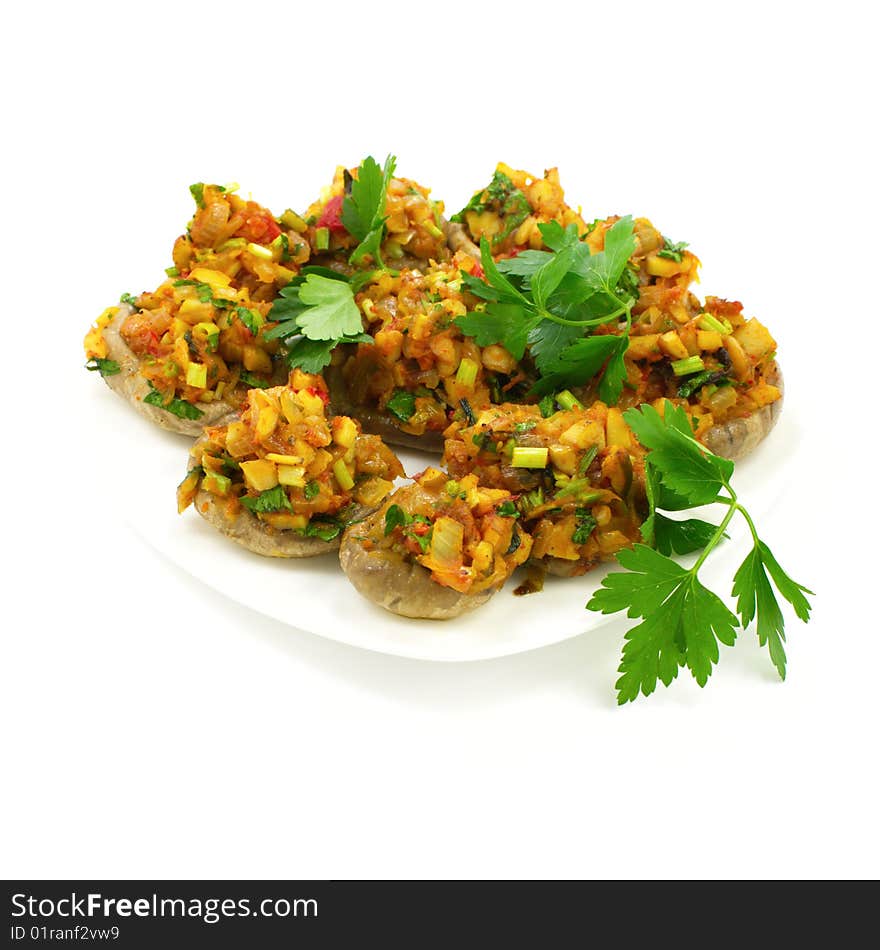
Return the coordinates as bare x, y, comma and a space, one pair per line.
402, 405
253, 381
682, 621
177, 407
273, 499
584, 525
671, 250
550, 302
104, 367
363, 211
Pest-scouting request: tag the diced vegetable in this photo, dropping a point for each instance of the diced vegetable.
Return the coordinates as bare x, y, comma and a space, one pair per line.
447, 540
567, 400
467, 373
693, 364
197, 375
260, 474
529, 457
342, 474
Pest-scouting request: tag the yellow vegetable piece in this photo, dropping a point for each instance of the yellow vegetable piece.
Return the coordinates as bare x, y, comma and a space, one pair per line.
260, 475
284, 459
194, 311
293, 475
213, 278
343, 476
197, 375
344, 431
616, 430
662, 266
671, 344
266, 422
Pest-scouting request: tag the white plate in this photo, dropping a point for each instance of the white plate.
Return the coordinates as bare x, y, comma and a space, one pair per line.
314, 595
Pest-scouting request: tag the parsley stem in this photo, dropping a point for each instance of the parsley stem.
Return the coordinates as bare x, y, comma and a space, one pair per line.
751, 524
719, 533
595, 322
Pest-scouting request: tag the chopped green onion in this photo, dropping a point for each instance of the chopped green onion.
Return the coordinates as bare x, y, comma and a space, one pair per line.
568, 400
587, 460
232, 187
467, 373
693, 364
211, 332
343, 476
433, 230
293, 221
708, 322
453, 489
259, 251
529, 457
172, 272
322, 239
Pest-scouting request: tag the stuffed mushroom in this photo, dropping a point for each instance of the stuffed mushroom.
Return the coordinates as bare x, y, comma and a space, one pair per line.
185, 354
284, 480
576, 477
436, 548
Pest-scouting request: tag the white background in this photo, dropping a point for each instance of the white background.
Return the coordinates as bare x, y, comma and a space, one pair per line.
154, 729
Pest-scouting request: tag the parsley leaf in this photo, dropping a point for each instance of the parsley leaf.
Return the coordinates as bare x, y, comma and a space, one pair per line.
603, 270
682, 626
402, 405
584, 525
252, 319
525, 263
104, 367
198, 192
685, 467
363, 210
395, 516
331, 311
672, 251
253, 381
682, 537
506, 323
273, 499
177, 407
577, 363
323, 527
755, 597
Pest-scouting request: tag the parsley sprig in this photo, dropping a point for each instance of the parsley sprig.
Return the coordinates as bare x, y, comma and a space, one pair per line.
682, 622
315, 313
550, 302
363, 210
